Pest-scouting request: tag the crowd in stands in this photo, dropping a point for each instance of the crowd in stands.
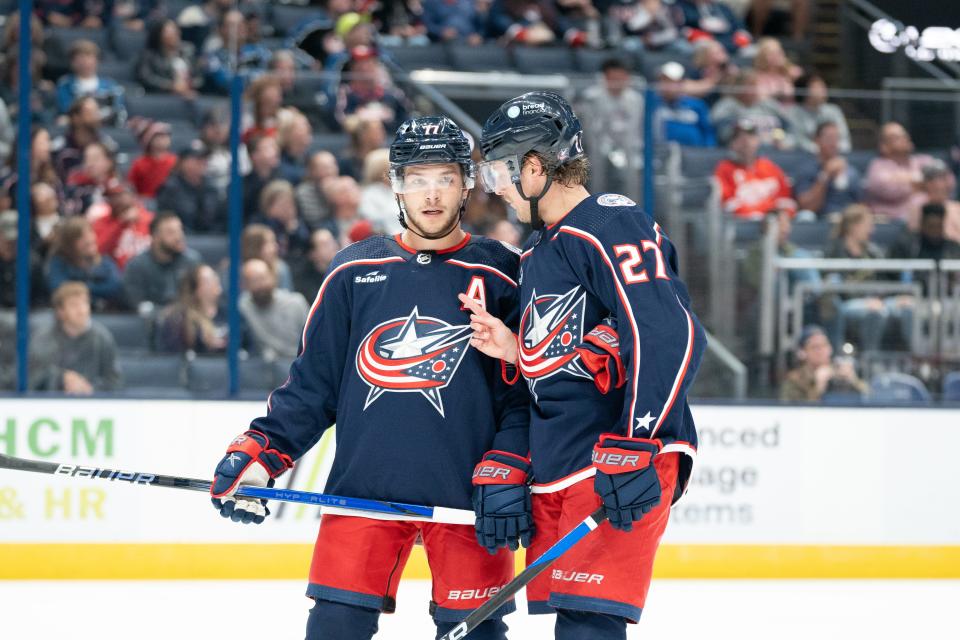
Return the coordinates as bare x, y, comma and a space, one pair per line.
120, 192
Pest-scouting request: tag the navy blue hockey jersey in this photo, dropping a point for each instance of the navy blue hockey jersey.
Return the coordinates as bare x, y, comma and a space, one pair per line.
386, 355
606, 257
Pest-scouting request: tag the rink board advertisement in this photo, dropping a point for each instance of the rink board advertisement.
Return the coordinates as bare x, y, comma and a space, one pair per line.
776, 492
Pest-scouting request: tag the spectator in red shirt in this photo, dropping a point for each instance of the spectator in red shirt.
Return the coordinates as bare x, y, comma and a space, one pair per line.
86, 183
121, 224
150, 171
751, 186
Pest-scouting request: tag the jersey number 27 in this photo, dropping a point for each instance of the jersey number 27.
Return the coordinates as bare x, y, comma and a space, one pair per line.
631, 266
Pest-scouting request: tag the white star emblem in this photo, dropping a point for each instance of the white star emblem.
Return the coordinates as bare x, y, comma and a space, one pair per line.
233, 458
408, 344
644, 422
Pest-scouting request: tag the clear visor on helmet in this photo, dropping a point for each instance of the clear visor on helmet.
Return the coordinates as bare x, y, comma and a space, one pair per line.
497, 175
417, 182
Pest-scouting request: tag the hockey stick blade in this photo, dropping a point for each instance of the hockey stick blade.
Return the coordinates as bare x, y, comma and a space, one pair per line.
561, 546
399, 509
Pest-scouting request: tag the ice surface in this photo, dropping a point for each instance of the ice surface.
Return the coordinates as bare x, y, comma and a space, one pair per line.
676, 609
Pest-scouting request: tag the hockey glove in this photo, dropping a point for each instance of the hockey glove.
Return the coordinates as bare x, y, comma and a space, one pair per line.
626, 479
600, 354
249, 460
501, 501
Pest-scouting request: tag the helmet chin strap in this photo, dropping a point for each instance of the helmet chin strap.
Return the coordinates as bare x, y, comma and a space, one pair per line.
535, 220
402, 217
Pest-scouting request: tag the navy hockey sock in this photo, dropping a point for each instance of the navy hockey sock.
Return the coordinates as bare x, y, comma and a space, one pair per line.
487, 630
338, 621
577, 625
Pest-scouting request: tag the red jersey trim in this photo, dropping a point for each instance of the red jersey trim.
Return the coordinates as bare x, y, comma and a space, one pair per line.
409, 249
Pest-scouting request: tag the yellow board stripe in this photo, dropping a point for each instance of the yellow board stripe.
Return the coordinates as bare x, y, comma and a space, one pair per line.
292, 561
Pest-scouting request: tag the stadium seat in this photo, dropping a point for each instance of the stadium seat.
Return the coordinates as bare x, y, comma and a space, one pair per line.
156, 393
484, 57
129, 330
66, 36
412, 57
951, 387
162, 106
861, 158
589, 60
335, 143
286, 18
540, 60
155, 371
791, 162
811, 235
697, 162
213, 249
895, 387
128, 44
746, 232
123, 71
884, 235
258, 375
207, 375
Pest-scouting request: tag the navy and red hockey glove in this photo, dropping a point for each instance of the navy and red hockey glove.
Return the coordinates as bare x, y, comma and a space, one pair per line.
600, 354
626, 479
501, 501
249, 460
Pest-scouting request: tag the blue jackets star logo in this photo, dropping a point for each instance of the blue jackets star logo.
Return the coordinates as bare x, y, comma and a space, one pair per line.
551, 328
416, 354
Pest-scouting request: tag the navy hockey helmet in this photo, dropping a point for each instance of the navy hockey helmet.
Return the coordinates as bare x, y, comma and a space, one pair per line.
429, 140
540, 121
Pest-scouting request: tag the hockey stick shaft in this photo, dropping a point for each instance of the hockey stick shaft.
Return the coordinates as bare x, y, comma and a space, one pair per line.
561, 546
400, 509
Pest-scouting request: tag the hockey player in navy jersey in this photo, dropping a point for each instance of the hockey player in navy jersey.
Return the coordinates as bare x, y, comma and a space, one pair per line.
610, 423
386, 354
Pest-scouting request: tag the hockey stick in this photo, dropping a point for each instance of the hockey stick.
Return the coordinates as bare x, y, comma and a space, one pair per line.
561, 546
412, 511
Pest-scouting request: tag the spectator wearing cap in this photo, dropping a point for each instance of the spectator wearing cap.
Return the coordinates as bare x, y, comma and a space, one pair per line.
678, 117
744, 102
452, 21
311, 272
191, 194
75, 354
368, 90
703, 19
168, 64
121, 224
274, 317
153, 276
311, 198
85, 81
215, 136
8, 265
812, 110
611, 111
83, 127
378, 203
265, 168
816, 373
939, 185
894, 183
150, 170
75, 257
750, 185
295, 137
87, 183
826, 183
